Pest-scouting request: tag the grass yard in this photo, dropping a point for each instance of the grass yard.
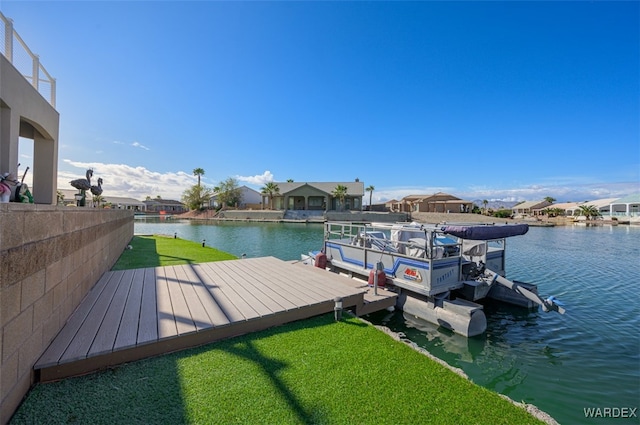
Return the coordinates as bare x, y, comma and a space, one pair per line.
314, 371
152, 251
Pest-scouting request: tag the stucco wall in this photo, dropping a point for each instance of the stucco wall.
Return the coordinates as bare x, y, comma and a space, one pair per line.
49, 259
25, 113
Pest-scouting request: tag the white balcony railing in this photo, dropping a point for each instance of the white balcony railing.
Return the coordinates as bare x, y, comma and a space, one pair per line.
25, 61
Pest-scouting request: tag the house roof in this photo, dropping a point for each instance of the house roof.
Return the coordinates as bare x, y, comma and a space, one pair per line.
353, 188
599, 203
531, 205
162, 202
69, 196
566, 205
433, 198
631, 199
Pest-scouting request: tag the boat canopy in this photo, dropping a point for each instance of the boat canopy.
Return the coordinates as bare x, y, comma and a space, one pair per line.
478, 233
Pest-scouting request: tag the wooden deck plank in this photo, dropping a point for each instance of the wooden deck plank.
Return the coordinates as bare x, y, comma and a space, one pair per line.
79, 347
212, 283
181, 313
106, 336
217, 317
148, 322
128, 330
225, 285
307, 279
249, 282
59, 345
198, 314
166, 321
184, 306
292, 286
278, 300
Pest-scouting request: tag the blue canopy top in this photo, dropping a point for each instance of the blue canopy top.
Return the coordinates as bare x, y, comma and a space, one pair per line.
478, 233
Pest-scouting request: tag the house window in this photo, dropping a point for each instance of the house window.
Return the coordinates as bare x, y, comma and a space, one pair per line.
316, 202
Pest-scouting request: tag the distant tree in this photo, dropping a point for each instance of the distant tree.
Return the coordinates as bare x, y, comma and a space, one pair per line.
550, 200
270, 189
553, 212
370, 189
59, 197
484, 203
198, 172
229, 194
148, 198
340, 193
97, 200
289, 180
589, 211
196, 197
503, 213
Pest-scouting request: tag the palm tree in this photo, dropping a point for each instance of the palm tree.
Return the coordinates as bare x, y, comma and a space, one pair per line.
485, 202
589, 211
97, 200
370, 189
198, 172
340, 192
550, 200
270, 189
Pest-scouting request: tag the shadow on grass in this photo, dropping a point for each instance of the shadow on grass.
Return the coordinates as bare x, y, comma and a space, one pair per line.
158, 391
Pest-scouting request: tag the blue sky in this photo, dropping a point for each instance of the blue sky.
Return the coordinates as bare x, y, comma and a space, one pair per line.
484, 100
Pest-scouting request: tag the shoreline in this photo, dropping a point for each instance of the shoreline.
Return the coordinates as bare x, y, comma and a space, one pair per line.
422, 217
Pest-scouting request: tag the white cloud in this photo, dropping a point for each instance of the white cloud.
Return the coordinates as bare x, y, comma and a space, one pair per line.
563, 193
138, 145
127, 181
258, 180
139, 182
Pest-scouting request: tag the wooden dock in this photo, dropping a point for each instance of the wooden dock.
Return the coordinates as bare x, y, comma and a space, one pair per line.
133, 314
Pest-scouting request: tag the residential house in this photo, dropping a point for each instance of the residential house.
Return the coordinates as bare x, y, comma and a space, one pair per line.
628, 206
315, 196
392, 205
437, 203
567, 208
116, 202
249, 198
164, 206
530, 207
605, 206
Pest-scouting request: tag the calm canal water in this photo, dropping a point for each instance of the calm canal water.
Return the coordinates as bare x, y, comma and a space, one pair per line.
589, 358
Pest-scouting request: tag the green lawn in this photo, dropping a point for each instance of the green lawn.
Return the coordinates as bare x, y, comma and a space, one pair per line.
152, 251
315, 371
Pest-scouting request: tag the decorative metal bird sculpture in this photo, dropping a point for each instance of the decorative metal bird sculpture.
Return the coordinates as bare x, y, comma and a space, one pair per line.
97, 190
83, 184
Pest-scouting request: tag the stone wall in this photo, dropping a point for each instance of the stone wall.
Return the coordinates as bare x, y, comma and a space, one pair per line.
255, 215
366, 216
50, 257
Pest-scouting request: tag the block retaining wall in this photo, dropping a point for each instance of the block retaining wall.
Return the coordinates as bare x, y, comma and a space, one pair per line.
50, 257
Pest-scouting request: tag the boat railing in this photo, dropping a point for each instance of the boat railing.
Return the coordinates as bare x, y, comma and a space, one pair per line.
425, 243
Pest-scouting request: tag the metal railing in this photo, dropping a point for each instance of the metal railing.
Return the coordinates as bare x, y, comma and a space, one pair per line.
25, 61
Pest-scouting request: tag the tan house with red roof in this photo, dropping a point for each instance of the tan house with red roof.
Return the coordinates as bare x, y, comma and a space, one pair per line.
437, 203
